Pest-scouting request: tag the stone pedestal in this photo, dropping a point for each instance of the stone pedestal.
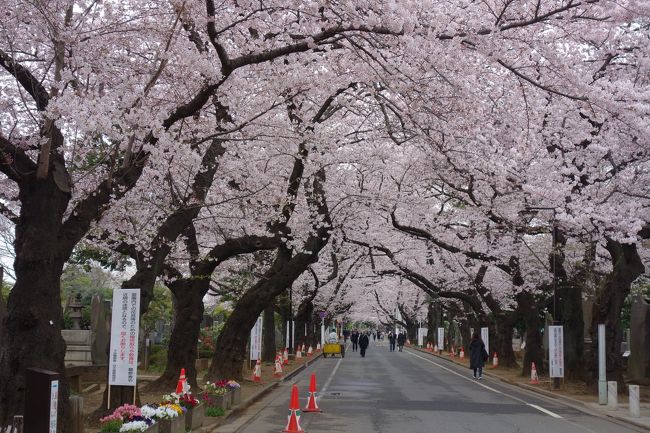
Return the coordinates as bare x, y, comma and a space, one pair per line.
612, 395
175, 425
195, 417
236, 396
78, 347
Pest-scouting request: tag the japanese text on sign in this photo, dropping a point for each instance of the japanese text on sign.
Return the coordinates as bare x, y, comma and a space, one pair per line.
556, 351
256, 340
125, 326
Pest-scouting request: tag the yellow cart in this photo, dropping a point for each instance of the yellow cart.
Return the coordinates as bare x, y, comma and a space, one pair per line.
332, 349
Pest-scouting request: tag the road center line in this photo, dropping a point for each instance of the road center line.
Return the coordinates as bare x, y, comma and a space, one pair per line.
331, 376
539, 408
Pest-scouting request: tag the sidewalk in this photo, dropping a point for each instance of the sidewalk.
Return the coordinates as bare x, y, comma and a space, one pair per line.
592, 407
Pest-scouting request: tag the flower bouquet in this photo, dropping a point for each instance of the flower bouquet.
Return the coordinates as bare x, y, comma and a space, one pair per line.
170, 416
235, 391
216, 394
127, 418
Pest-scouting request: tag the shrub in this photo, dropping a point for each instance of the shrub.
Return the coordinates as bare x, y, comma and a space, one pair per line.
112, 426
214, 411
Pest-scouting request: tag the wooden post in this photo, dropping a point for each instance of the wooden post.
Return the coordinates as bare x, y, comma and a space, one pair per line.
77, 413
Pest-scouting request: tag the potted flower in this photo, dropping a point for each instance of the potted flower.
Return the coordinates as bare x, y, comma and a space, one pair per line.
235, 390
128, 418
227, 393
170, 417
195, 412
216, 395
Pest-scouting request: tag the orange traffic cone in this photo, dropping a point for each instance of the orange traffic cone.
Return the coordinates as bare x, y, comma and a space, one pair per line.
257, 372
180, 386
435, 348
429, 347
408, 342
310, 351
495, 360
534, 378
462, 353
318, 346
293, 422
452, 353
285, 357
311, 403
298, 354
278, 367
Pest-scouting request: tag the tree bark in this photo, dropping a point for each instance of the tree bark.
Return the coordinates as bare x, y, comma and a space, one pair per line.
182, 352
268, 330
504, 330
31, 334
626, 267
534, 351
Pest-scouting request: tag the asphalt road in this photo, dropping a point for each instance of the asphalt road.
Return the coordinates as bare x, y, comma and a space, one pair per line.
412, 392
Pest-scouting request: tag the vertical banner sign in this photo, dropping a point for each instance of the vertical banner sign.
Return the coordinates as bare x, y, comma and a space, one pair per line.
441, 338
556, 351
125, 326
286, 341
256, 340
485, 336
54, 404
293, 335
422, 332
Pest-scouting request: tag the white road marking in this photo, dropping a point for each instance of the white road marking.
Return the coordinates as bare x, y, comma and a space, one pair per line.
546, 411
331, 376
539, 408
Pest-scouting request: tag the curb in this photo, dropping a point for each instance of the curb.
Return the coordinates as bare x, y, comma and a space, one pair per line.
574, 403
245, 404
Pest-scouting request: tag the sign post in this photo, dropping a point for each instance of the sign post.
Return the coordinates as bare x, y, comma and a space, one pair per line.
485, 336
322, 315
556, 354
256, 340
602, 374
125, 326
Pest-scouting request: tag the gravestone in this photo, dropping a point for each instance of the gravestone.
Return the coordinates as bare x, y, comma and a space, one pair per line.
100, 327
639, 359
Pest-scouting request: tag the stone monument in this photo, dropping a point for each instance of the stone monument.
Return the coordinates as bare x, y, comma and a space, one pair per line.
100, 327
77, 340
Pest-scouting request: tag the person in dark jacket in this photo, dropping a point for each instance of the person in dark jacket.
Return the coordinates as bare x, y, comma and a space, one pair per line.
477, 356
364, 341
391, 341
401, 340
354, 338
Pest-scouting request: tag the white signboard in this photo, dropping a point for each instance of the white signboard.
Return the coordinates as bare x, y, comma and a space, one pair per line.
125, 325
556, 351
485, 336
422, 332
256, 340
441, 338
54, 404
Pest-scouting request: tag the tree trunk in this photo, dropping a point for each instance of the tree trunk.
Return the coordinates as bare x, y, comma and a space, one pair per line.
534, 351
567, 308
626, 267
31, 334
182, 353
268, 329
504, 327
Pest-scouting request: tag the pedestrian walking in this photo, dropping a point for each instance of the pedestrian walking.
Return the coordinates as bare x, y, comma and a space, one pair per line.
401, 340
391, 341
354, 338
364, 341
477, 356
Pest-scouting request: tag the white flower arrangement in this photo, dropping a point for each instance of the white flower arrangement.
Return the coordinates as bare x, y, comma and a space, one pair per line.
160, 412
134, 426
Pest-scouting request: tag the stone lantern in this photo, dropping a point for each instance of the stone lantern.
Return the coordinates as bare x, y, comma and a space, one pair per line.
75, 313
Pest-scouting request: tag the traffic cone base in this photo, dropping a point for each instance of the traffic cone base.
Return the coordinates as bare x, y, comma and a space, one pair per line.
310, 351
293, 421
534, 378
462, 353
257, 372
